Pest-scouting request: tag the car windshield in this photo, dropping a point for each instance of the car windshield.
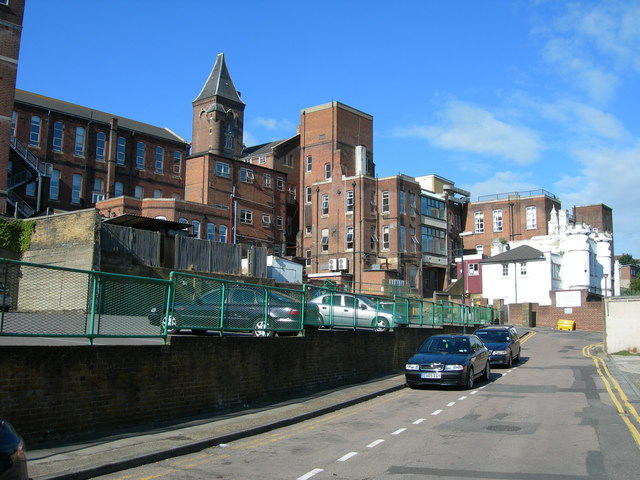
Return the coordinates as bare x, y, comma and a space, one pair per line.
493, 335
445, 345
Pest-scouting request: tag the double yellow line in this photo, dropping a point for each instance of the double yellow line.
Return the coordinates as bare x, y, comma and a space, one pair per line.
619, 398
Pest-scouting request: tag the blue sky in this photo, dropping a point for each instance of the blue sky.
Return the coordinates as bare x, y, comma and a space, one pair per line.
495, 95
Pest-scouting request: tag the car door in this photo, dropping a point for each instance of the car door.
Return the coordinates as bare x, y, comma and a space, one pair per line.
515, 343
479, 355
204, 312
242, 308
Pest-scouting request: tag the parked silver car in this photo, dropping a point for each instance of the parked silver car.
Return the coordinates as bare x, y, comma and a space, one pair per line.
348, 310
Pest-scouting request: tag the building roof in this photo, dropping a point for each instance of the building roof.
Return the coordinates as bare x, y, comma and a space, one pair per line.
145, 223
48, 103
261, 149
219, 83
524, 253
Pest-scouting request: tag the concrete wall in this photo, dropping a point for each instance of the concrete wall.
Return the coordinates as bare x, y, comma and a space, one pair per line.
54, 393
621, 324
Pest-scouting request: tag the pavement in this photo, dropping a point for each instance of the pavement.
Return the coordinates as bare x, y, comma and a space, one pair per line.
130, 449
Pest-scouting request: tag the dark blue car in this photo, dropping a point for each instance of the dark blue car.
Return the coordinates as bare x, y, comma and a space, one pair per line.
448, 360
503, 343
13, 461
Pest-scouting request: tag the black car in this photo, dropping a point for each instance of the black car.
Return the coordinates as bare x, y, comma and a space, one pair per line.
13, 460
243, 308
448, 360
503, 343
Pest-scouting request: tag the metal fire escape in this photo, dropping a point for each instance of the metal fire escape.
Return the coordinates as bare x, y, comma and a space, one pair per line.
36, 169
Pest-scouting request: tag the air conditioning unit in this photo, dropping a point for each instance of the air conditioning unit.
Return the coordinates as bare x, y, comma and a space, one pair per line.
333, 264
343, 264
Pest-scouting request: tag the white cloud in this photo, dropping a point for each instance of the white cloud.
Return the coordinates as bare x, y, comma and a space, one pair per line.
248, 139
470, 129
501, 182
274, 124
601, 123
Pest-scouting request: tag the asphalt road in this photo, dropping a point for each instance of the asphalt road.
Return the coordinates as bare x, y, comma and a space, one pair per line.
550, 417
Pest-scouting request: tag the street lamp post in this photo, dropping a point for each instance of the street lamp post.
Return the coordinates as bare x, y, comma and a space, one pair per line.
463, 275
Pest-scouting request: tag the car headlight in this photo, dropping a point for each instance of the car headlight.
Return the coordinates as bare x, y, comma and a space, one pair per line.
453, 368
412, 366
499, 352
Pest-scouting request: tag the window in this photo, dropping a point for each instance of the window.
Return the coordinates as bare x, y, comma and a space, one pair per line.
54, 185
266, 220
30, 189
325, 204
157, 193
76, 186
385, 238
478, 219
246, 175
34, 134
4, 2
432, 207
412, 204
228, 137
288, 160
140, 151
505, 269
523, 269
279, 222
98, 189
325, 240
308, 163
555, 271
211, 231
349, 238
262, 159
307, 258
223, 170
183, 220
246, 216
385, 202
14, 121
473, 269
118, 189
280, 184
159, 159
413, 240
531, 218
266, 180
195, 224
479, 249
374, 238
327, 171
403, 238
177, 163
121, 151
307, 195
401, 201
372, 202
101, 139
222, 235
58, 129
307, 230
433, 240
497, 220
138, 192
349, 200
79, 145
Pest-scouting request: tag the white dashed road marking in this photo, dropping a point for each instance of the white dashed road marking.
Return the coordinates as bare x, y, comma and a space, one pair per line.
437, 412
347, 456
375, 444
399, 431
418, 421
310, 474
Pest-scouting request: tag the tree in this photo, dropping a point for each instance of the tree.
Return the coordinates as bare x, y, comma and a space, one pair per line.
626, 259
634, 287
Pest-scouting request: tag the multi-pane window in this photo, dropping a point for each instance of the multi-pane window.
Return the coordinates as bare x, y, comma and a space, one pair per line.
412, 204
211, 231
288, 160
373, 237
307, 258
279, 222
308, 163
58, 129
140, 151
98, 189
413, 240
54, 185
222, 235
14, 122
280, 184
266, 220
246, 175
121, 152
327, 171
246, 216
478, 221
403, 238
101, 140
401, 201
138, 191
473, 269
555, 271
497, 220
349, 200
349, 238
531, 218
505, 269
76, 187
324, 242
432, 207
195, 230
266, 180
30, 189
78, 149
118, 190
307, 195
523, 268
157, 193
385, 238
223, 169
433, 240
325, 204
34, 133
228, 137
385, 202
177, 163
159, 159
372, 202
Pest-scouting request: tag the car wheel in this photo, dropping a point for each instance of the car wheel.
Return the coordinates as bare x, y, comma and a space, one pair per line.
487, 372
173, 321
517, 359
470, 379
509, 361
381, 324
260, 328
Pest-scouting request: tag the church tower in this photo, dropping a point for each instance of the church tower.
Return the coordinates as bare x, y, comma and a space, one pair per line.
218, 115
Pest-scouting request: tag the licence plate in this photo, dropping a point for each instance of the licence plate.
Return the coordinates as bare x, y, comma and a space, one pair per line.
430, 375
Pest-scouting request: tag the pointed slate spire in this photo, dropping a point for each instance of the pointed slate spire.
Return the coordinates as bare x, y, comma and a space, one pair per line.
219, 83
